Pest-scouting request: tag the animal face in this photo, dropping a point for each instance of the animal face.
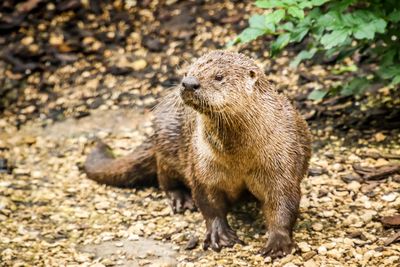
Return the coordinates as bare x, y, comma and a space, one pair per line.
219, 80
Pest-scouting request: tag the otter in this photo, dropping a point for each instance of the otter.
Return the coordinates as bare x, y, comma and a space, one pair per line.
223, 131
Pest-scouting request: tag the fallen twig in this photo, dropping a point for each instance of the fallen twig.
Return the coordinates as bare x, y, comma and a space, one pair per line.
370, 173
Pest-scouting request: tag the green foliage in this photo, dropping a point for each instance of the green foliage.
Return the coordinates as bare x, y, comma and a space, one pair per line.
335, 28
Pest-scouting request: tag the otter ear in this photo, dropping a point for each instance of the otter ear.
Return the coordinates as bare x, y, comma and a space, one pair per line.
251, 81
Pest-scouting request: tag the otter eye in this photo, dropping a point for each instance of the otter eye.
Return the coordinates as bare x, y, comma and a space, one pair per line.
218, 77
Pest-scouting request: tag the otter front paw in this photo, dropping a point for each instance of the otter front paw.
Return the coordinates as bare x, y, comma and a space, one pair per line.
219, 235
278, 245
181, 200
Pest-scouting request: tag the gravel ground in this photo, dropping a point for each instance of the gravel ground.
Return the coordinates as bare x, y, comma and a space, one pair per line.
52, 215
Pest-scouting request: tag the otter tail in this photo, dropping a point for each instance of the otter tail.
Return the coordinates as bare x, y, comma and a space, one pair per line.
138, 168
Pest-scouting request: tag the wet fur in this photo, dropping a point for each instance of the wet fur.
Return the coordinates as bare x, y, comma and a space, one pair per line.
232, 136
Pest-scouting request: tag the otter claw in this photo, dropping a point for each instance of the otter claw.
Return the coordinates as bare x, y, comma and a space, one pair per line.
220, 235
181, 201
278, 246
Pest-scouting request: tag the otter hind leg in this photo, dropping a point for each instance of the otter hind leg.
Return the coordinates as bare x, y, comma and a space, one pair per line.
172, 183
181, 200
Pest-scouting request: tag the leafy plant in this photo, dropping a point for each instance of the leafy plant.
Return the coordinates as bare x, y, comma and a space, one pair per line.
334, 28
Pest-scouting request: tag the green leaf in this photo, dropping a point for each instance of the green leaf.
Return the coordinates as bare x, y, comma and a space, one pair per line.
394, 16
288, 26
365, 31
330, 21
389, 72
250, 34
257, 21
269, 4
280, 43
275, 17
396, 80
380, 25
317, 95
302, 56
296, 12
354, 87
298, 34
334, 38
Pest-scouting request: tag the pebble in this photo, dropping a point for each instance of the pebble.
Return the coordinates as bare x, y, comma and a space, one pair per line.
390, 197
310, 263
322, 250
304, 247
119, 244
317, 226
133, 237
36, 174
308, 255
27, 40
337, 167
139, 64
335, 253
354, 186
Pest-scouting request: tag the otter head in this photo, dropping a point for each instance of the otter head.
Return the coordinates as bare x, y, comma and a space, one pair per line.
220, 80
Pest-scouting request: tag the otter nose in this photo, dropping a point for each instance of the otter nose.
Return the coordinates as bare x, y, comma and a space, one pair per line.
190, 83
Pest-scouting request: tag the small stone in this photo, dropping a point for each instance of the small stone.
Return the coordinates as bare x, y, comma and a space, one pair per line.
133, 237
56, 39
354, 158
328, 213
352, 219
290, 264
36, 174
3, 144
354, 186
137, 228
379, 137
28, 139
322, 250
304, 247
389, 197
104, 205
335, 253
310, 263
27, 40
317, 226
367, 216
337, 167
308, 255
139, 64
81, 258
119, 244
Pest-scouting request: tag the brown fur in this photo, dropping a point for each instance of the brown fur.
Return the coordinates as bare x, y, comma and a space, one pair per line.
227, 137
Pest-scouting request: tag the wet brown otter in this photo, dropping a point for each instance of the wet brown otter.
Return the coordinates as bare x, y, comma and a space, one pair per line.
225, 130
